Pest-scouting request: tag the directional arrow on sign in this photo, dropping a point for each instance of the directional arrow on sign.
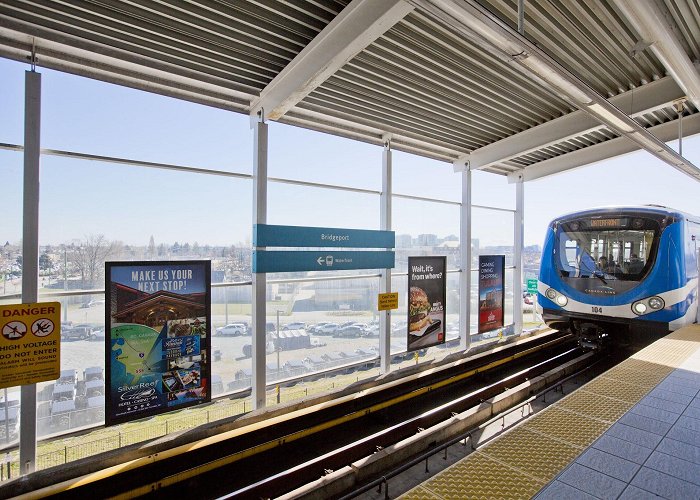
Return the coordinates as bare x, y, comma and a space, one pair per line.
320, 261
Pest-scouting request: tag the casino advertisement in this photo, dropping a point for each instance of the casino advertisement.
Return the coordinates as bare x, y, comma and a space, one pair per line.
491, 287
158, 342
427, 290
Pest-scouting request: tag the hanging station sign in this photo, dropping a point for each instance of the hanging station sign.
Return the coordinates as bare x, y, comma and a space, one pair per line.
427, 292
158, 338
274, 261
491, 288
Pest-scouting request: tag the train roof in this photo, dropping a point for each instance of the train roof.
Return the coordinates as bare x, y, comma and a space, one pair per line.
652, 209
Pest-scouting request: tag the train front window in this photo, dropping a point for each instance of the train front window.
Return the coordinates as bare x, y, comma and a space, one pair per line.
605, 250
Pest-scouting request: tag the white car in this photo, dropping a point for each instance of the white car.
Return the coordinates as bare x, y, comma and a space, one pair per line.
232, 330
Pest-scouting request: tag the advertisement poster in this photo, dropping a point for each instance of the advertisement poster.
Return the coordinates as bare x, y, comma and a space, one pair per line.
491, 288
427, 290
158, 342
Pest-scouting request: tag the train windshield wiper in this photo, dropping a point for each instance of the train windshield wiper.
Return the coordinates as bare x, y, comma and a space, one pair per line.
599, 275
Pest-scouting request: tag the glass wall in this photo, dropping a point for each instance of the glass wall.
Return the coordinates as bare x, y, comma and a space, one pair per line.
322, 327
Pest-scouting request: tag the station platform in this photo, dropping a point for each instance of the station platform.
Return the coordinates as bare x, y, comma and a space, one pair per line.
631, 433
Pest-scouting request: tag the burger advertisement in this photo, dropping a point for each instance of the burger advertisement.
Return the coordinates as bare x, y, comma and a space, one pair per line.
427, 285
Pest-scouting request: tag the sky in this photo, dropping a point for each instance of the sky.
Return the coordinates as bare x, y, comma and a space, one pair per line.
131, 204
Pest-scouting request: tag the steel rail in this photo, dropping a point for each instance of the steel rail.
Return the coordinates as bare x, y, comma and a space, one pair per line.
71, 486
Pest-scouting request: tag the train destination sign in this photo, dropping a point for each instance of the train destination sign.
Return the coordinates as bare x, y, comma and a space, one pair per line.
309, 260
30, 344
267, 235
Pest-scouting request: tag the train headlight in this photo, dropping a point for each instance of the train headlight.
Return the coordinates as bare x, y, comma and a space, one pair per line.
656, 303
639, 308
551, 294
561, 300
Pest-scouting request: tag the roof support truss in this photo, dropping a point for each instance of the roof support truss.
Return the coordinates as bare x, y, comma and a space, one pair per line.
649, 19
357, 26
473, 20
648, 98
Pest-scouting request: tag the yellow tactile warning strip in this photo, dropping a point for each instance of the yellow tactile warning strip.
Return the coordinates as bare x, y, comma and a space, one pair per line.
522, 461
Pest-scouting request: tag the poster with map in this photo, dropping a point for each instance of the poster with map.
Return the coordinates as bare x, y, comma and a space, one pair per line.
158, 342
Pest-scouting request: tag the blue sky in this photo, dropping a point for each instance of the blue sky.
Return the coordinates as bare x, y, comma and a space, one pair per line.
79, 198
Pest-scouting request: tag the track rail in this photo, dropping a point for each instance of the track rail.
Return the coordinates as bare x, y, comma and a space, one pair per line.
207, 465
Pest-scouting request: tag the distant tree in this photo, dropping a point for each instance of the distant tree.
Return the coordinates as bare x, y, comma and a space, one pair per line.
19, 260
195, 248
89, 257
176, 248
151, 252
161, 250
45, 263
186, 248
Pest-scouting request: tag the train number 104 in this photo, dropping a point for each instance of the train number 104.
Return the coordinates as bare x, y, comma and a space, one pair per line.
597, 310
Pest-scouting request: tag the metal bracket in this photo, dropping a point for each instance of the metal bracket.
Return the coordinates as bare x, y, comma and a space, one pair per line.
386, 139
32, 57
639, 47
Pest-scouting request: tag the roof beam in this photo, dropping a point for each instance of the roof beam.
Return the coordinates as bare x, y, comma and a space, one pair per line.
358, 25
650, 21
592, 154
645, 99
471, 19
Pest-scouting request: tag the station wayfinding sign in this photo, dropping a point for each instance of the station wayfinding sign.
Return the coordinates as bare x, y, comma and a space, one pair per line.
30, 344
274, 261
532, 285
305, 260
268, 235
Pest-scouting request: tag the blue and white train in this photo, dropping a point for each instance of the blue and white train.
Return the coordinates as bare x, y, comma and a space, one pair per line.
627, 274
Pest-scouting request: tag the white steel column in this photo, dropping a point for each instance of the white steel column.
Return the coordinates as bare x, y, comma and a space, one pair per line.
465, 250
518, 257
30, 252
385, 280
259, 305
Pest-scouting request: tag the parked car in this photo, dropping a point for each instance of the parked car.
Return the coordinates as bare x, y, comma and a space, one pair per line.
327, 329
372, 331
77, 332
297, 325
314, 328
351, 331
232, 330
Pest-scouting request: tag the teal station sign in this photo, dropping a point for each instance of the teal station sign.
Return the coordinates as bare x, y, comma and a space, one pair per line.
325, 240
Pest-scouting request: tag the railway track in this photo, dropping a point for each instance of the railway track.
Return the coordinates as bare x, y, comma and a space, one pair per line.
275, 455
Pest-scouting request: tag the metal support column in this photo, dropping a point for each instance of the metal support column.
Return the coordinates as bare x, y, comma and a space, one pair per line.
465, 250
30, 252
385, 280
519, 223
259, 305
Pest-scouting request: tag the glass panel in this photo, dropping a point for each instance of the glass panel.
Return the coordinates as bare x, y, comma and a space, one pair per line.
492, 190
418, 176
11, 168
425, 228
231, 318
492, 234
89, 116
325, 332
307, 155
320, 207
12, 101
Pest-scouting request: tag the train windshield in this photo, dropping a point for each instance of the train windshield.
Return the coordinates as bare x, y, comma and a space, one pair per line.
620, 248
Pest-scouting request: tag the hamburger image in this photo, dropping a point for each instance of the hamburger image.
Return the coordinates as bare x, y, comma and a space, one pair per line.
418, 309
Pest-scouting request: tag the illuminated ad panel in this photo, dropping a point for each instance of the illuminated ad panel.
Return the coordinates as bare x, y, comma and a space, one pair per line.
427, 291
158, 337
491, 291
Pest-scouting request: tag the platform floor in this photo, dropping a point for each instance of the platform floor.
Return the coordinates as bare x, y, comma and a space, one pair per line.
633, 432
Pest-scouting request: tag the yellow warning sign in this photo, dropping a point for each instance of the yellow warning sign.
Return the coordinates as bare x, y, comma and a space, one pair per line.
388, 301
30, 344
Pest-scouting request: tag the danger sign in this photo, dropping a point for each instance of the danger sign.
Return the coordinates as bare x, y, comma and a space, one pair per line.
30, 343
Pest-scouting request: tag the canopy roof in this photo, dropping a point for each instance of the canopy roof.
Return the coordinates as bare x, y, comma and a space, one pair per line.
448, 79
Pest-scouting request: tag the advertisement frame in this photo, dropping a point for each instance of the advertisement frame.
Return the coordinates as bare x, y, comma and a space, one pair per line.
184, 358
422, 271
494, 264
